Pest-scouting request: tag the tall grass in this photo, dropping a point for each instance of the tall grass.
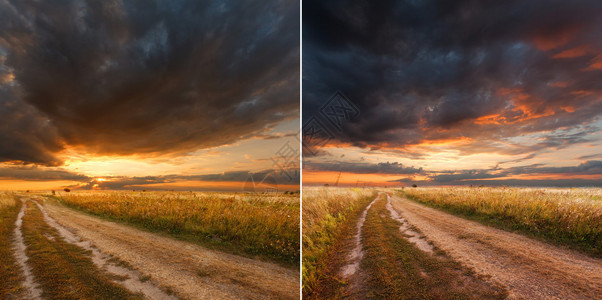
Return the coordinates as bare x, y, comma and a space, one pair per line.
265, 225
7, 200
10, 272
570, 216
324, 210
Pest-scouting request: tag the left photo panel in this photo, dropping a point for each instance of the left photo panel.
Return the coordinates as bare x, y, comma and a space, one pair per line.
149, 149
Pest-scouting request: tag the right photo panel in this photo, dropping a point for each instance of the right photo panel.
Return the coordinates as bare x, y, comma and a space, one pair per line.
451, 149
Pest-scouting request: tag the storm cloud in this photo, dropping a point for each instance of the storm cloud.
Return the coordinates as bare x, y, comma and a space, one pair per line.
498, 176
34, 173
145, 77
439, 70
363, 168
270, 177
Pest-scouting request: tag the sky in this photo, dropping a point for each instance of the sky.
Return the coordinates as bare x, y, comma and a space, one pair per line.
462, 92
124, 94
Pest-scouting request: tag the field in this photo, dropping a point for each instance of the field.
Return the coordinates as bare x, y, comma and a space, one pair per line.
9, 270
149, 245
570, 217
424, 243
264, 225
324, 213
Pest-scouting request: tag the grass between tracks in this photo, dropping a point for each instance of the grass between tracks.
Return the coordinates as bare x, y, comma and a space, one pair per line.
564, 217
10, 272
329, 217
396, 269
63, 270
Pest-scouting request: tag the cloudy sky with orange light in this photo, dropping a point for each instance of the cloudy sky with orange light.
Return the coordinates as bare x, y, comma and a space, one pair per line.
455, 92
148, 94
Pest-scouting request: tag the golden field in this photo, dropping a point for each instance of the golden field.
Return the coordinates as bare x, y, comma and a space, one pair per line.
567, 216
264, 225
324, 211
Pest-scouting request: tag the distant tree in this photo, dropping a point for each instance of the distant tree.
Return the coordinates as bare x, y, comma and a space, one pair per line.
67, 190
414, 185
326, 184
53, 192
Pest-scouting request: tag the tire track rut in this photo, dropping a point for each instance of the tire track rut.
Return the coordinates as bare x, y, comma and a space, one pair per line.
32, 289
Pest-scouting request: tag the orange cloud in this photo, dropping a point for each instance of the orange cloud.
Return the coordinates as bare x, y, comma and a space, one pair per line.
560, 84
525, 104
574, 52
496, 119
569, 108
559, 38
596, 64
582, 93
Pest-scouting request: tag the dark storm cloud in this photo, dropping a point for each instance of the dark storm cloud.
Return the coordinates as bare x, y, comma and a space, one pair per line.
269, 177
513, 182
34, 173
593, 167
466, 177
122, 77
430, 70
393, 168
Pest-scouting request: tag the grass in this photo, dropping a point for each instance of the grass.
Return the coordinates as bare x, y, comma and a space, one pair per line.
329, 215
10, 272
63, 270
258, 225
395, 268
566, 217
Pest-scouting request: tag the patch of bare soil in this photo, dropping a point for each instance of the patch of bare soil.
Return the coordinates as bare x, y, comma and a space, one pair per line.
529, 269
191, 271
411, 235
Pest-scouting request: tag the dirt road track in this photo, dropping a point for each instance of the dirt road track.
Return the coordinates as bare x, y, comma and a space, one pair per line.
193, 272
529, 269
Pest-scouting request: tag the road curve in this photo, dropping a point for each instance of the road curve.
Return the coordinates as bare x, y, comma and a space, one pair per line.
528, 268
191, 271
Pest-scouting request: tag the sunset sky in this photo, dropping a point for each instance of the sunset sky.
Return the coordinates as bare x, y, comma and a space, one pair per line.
148, 94
453, 92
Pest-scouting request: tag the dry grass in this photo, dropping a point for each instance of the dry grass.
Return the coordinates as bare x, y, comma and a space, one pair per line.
567, 216
10, 272
7, 200
264, 225
325, 211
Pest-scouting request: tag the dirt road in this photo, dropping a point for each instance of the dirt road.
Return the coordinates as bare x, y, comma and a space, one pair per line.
191, 271
529, 269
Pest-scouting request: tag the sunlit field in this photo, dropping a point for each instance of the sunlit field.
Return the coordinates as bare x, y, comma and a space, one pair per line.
324, 210
567, 216
263, 225
9, 270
